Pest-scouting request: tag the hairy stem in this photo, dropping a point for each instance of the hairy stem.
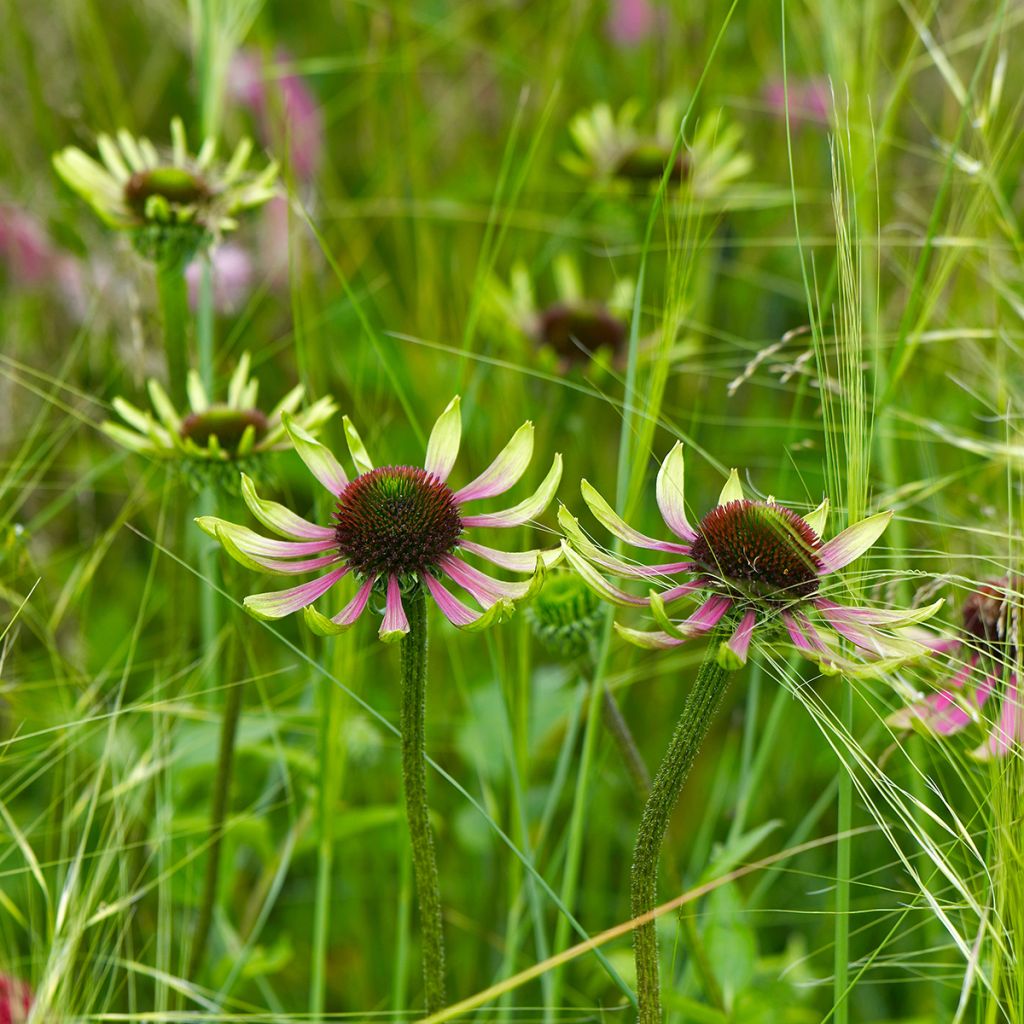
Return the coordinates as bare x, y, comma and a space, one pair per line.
414, 774
218, 816
173, 293
698, 713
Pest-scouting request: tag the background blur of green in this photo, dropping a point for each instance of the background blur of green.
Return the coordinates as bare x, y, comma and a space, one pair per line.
444, 124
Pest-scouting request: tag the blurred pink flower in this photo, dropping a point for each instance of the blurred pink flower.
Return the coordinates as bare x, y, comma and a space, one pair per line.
630, 22
232, 278
283, 105
15, 1000
810, 99
25, 249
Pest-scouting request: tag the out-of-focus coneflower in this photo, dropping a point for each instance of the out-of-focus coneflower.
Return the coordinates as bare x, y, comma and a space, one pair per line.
211, 440
612, 150
759, 569
399, 531
809, 100
986, 652
284, 106
15, 1000
26, 252
170, 201
574, 329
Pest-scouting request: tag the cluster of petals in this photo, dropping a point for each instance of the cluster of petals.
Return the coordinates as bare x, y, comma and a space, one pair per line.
985, 662
220, 190
169, 433
309, 547
821, 629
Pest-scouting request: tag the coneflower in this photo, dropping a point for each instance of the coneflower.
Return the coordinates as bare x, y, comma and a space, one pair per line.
986, 653
399, 531
211, 441
759, 568
15, 1000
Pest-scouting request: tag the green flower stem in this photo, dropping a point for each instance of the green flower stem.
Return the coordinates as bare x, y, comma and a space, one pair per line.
698, 713
173, 293
218, 816
620, 732
414, 774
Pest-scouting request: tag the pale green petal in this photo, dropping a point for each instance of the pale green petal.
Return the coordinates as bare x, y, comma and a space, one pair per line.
443, 444
360, 456
733, 490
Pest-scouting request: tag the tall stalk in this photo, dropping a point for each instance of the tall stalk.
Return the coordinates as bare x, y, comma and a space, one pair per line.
414, 775
173, 294
698, 713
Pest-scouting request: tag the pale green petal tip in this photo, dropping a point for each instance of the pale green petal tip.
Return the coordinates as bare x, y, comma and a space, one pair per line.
733, 489
320, 624
818, 519
499, 612
392, 636
728, 659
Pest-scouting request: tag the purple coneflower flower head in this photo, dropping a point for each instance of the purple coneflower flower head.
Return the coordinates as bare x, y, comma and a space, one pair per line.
232, 271
209, 433
574, 329
394, 528
15, 1000
630, 22
172, 202
756, 564
986, 656
612, 150
284, 106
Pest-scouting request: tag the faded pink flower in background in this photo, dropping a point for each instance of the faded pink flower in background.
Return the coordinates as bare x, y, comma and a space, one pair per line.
25, 248
630, 22
283, 105
810, 99
232, 277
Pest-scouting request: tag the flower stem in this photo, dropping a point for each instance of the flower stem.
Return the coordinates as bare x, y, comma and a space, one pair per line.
698, 713
414, 774
173, 293
218, 815
617, 725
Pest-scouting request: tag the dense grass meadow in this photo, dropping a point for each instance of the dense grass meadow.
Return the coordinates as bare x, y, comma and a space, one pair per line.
785, 235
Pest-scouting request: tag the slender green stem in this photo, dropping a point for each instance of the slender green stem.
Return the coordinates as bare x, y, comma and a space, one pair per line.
618, 727
414, 773
173, 293
218, 815
698, 713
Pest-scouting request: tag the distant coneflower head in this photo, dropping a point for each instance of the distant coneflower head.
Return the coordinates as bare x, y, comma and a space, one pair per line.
611, 148
171, 202
756, 562
394, 529
15, 1000
987, 654
210, 433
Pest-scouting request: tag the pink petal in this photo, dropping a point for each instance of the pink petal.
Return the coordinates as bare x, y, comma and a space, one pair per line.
1009, 727
395, 620
277, 604
706, 616
451, 607
355, 607
295, 568
739, 642
674, 593
483, 587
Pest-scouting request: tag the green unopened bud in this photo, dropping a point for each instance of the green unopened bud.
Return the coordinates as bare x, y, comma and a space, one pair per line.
566, 616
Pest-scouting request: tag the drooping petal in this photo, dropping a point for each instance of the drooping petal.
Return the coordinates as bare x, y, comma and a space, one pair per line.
703, 619
891, 618
484, 588
733, 653
515, 561
867, 637
458, 613
615, 524
277, 604
252, 543
733, 489
1007, 730
504, 472
360, 456
597, 583
648, 639
346, 618
395, 624
610, 563
443, 444
683, 590
852, 542
527, 509
318, 459
669, 492
281, 520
